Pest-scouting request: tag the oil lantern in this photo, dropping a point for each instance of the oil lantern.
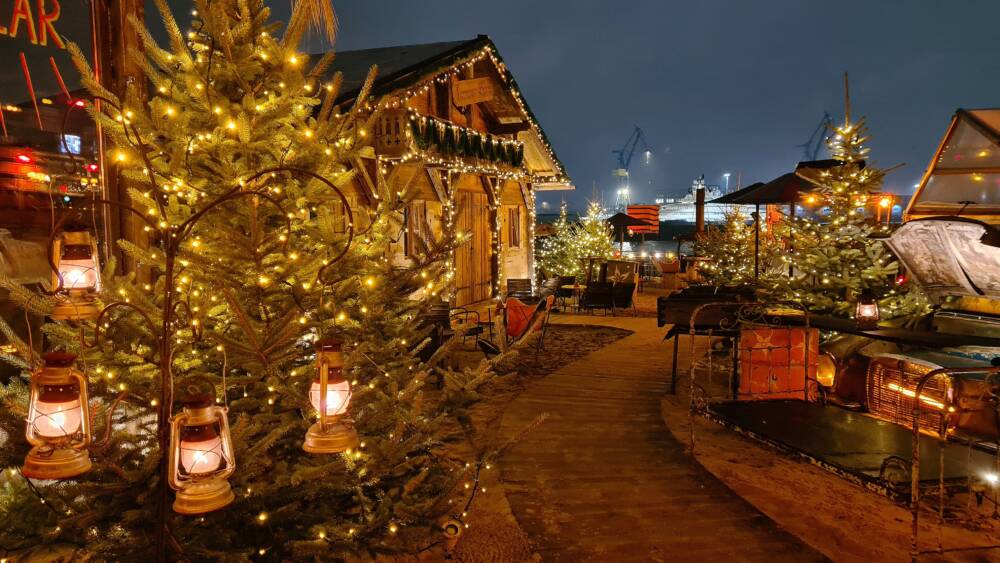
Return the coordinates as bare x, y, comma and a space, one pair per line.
201, 455
330, 395
58, 420
867, 315
75, 256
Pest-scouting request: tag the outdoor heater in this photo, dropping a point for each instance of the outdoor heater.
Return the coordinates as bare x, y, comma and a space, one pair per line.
77, 275
330, 395
201, 456
58, 420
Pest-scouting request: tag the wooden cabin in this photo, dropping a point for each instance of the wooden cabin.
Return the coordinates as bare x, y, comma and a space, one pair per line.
454, 129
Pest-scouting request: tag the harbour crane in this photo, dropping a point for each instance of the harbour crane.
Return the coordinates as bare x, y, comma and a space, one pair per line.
811, 148
624, 157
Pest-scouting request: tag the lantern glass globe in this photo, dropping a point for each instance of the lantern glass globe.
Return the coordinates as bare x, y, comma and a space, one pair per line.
338, 396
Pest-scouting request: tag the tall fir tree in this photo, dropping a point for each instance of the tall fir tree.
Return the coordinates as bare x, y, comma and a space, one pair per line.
237, 165
564, 253
837, 254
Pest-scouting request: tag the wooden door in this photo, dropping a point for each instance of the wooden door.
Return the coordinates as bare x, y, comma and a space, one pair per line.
473, 259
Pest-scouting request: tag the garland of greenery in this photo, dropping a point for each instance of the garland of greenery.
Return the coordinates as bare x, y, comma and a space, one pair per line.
446, 140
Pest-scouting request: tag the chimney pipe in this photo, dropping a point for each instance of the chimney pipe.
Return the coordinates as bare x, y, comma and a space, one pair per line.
699, 210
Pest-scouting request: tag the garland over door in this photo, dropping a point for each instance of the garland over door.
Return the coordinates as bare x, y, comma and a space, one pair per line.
473, 259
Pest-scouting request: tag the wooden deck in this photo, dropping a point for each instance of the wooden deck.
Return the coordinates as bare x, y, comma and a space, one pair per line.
602, 479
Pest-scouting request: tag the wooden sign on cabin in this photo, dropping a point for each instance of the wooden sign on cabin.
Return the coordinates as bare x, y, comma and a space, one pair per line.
472, 91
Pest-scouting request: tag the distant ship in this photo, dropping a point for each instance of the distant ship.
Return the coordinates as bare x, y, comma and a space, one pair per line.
682, 210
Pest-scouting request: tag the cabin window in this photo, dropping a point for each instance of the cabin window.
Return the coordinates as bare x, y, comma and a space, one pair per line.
514, 227
415, 219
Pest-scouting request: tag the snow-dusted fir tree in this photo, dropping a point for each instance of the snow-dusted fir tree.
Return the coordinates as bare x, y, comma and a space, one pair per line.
236, 160
563, 253
835, 256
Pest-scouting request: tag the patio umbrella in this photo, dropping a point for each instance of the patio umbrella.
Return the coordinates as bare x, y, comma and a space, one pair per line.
621, 221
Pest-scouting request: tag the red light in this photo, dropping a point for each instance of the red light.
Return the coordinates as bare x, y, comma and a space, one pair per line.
92, 167
24, 159
900, 279
63, 188
79, 103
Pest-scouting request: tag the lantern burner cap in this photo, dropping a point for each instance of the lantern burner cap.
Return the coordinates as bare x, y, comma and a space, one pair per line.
328, 344
59, 359
196, 392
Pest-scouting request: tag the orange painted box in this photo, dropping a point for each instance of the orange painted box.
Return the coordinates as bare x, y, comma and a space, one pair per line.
773, 363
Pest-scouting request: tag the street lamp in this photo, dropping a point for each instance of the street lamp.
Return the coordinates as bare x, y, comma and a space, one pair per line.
726, 176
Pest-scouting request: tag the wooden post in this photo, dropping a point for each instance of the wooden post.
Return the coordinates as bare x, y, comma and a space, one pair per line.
114, 38
699, 210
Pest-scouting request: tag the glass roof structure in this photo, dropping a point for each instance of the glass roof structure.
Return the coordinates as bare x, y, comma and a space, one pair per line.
964, 176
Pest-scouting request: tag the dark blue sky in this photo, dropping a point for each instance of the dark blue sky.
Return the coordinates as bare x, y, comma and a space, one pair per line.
718, 86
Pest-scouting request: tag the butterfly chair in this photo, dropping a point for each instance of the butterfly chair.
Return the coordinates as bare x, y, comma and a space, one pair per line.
520, 321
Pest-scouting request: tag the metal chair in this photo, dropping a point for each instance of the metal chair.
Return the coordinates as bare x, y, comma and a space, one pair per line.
597, 295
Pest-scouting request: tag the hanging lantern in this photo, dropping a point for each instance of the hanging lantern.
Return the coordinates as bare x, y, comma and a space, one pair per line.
867, 315
330, 395
201, 455
58, 420
77, 265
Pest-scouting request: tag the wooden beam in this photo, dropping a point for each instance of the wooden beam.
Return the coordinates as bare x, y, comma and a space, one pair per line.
440, 188
366, 179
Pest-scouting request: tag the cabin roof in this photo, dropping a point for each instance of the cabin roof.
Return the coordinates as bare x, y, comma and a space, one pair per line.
404, 66
398, 66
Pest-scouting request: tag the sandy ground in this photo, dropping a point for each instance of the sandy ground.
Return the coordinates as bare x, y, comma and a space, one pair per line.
842, 520
494, 534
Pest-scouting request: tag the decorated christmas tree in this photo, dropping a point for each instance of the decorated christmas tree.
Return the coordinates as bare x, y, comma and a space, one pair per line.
260, 286
837, 255
730, 251
564, 253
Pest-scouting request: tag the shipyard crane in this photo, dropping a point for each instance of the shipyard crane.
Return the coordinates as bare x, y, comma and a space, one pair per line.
624, 156
810, 148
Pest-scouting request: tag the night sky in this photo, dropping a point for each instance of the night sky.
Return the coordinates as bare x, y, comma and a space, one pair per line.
717, 86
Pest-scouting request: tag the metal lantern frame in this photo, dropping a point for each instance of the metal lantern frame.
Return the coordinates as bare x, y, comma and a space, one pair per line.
58, 457
867, 313
331, 433
198, 493
75, 303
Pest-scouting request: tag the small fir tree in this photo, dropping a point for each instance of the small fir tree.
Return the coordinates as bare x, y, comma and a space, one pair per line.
730, 251
565, 252
237, 162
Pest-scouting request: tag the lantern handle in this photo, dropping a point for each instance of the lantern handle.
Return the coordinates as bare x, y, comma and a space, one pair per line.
106, 439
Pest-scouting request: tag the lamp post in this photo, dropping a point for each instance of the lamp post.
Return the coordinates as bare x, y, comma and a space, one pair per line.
726, 177
58, 420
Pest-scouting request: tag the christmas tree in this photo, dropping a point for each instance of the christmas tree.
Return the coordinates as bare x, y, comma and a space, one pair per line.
236, 162
564, 253
730, 251
836, 254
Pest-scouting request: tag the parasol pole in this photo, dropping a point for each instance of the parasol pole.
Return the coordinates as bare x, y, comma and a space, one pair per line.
756, 242
791, 238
